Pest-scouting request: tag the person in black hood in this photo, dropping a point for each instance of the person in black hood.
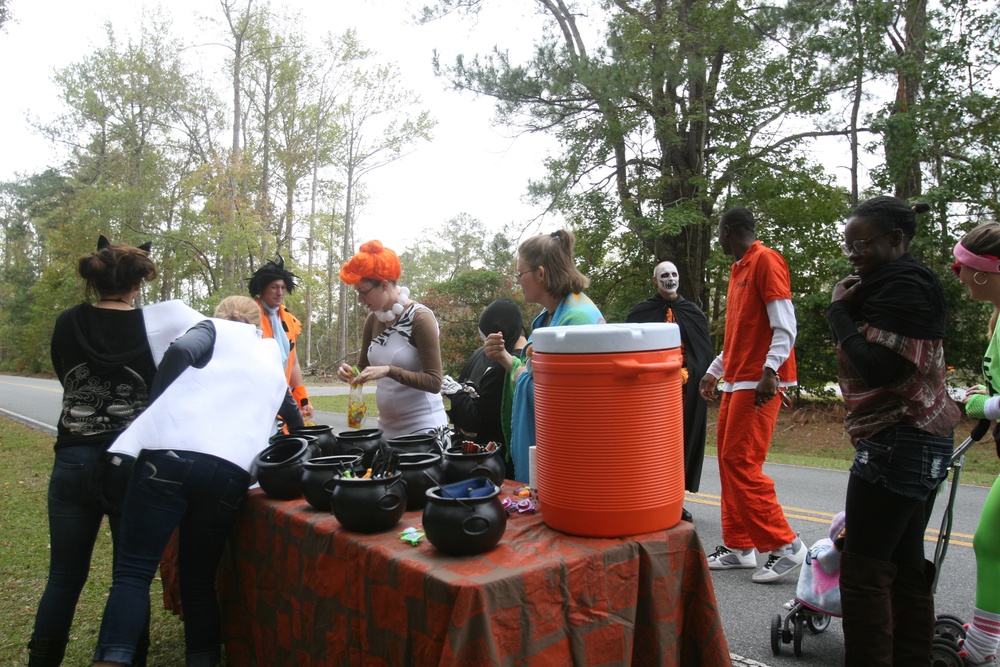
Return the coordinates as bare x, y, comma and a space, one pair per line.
667, 305
476, 402
102, 356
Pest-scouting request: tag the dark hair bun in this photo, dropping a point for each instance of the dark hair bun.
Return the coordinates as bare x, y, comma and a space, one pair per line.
921, 207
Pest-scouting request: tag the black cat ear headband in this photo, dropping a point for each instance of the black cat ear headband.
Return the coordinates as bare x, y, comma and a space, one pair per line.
103, 242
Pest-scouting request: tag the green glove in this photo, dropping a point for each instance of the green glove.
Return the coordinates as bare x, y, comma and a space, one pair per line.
974, 406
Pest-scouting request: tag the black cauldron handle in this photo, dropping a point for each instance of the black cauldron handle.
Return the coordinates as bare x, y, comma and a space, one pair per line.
471, 525
388, 488
391, 504
482, 471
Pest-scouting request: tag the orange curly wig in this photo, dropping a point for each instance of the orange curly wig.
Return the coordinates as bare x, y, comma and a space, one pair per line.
372, 261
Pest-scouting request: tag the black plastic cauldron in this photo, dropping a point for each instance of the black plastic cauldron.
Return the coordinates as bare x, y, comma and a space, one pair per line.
421, 471
323, 433
464, 518
363, 441
311, 440
368, 505
415, 442
317, 472
458, 465
279, 468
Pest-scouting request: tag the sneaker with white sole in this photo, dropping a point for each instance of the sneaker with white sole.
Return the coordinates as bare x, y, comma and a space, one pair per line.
988, 661
729, 559
781, 562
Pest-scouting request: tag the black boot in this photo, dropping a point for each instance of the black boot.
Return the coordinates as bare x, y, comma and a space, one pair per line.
46, 652
141, 650
913, 616
866, 598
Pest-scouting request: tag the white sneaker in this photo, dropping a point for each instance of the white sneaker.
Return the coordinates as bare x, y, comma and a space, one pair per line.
781, 562
988, 661
728, 559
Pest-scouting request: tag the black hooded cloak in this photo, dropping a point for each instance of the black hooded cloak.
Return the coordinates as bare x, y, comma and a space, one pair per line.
698, 355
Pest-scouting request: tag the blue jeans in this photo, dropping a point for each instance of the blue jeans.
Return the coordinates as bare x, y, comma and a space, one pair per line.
890, 494
200, 494
907, 461
75, 516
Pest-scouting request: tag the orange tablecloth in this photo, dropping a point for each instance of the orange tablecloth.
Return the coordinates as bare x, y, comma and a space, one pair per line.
298, 589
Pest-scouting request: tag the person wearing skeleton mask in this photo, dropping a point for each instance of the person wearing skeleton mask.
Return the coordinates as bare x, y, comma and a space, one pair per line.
667, 305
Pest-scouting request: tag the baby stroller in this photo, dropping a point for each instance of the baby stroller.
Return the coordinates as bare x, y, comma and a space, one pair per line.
817, 595
950, 630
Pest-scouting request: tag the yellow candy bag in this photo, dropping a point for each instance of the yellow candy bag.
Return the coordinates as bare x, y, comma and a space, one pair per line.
357, 409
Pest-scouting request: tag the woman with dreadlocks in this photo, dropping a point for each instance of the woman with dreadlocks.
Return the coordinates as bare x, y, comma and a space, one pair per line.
269, 286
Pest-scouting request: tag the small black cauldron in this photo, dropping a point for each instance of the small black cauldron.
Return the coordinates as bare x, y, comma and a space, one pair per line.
459, 464
323, 433
464, 518
421, 471
363, 441
279, 468
368, 505
316, 472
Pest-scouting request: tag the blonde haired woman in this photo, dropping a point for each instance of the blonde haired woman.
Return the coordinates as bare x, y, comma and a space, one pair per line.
239, 309
547, 274
191, 473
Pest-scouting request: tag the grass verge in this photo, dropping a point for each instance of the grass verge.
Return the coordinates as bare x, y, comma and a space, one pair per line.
24, 562
813, 435
338, 403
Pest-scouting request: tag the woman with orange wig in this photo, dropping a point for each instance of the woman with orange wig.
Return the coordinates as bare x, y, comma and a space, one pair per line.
400, 345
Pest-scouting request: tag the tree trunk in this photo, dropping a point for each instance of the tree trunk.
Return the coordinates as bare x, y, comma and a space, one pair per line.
346, 252
901, 139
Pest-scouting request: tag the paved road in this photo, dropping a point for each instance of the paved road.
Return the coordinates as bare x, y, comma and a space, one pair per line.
810, 497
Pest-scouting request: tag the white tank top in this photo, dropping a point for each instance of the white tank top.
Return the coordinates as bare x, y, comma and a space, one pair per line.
403, 409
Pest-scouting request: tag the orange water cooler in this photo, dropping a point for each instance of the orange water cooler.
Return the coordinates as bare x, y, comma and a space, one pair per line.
609, 428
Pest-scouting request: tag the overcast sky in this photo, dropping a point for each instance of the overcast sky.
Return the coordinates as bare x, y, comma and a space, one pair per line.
469, 167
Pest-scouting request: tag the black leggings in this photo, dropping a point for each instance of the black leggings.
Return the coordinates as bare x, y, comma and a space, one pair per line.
884, 525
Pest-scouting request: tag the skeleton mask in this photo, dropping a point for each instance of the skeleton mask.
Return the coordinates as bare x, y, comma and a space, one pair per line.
667, 278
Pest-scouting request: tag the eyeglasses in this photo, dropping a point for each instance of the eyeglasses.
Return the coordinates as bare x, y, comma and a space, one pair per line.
861, 245
364, 293
517, 274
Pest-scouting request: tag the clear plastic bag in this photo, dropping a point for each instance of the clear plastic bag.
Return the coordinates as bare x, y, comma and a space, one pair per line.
357, 408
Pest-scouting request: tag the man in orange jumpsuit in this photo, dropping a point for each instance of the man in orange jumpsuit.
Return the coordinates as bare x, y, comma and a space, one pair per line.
269, 286
757, 360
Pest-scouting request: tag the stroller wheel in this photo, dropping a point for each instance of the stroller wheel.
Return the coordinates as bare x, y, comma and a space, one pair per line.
776, 634
797, 632
818, 623
944, 654
949, 627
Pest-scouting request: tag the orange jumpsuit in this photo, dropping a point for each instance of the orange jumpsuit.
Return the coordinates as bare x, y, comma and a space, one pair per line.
751, 515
